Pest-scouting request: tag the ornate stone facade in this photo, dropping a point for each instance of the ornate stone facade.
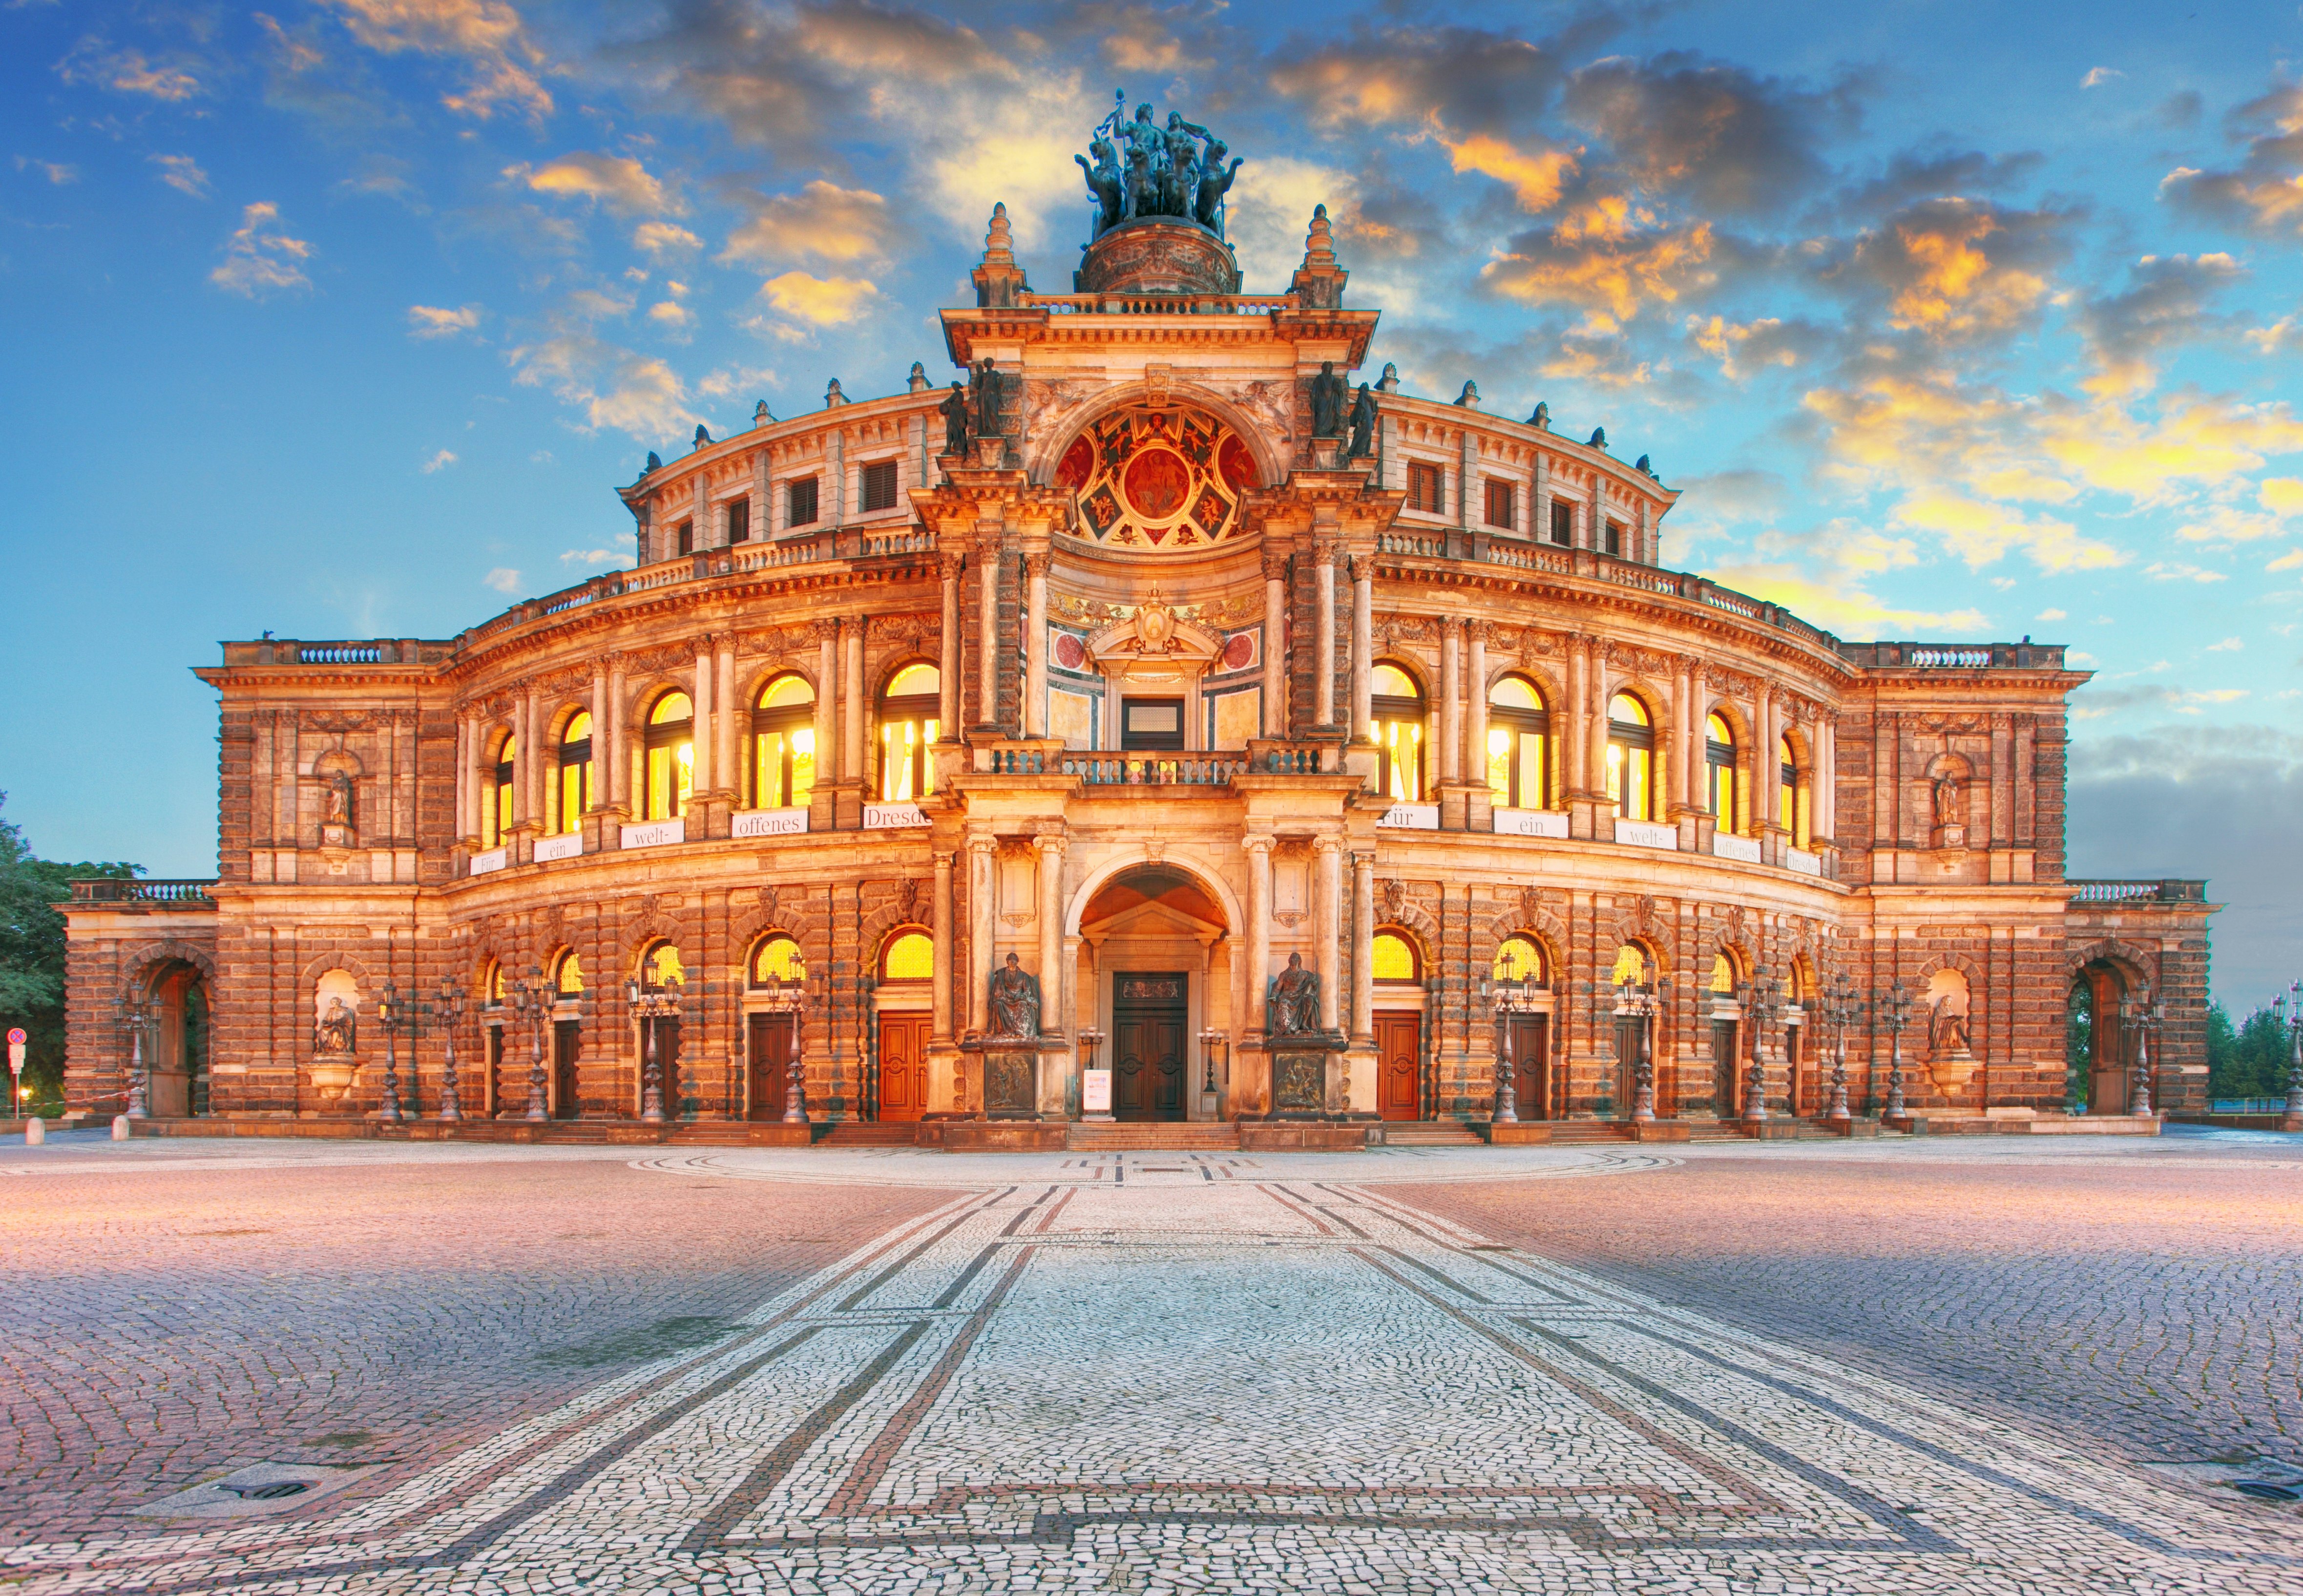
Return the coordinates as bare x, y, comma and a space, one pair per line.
1154, 689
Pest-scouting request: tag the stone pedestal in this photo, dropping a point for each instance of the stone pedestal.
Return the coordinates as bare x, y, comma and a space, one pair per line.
1311, 1078
1014, 1073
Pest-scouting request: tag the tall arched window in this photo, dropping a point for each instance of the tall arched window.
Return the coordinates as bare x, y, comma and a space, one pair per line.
495, 812
907, 725
491, 984
575, 771
661, 966
1393, 959
1630, 759
1719, 771
1518, 730
670, 757
1398, 708
1520, 959
1791, 811
776, 959
909, 955
567, 974
783, 744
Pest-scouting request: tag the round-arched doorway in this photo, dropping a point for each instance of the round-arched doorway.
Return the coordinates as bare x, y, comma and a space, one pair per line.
1153, 960
177, 1066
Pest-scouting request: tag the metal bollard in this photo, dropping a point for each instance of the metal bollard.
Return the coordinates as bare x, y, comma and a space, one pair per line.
36, 1131
120, 1127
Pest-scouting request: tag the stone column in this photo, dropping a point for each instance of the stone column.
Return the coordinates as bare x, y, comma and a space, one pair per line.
827, 701
1451, 700
1364, 948
728, 775
620, 757
466, 776
1324, 684
1826, 778
939, 1028
1687, 746
1326, 930
1362, 648
948, 660
1595, 725
980, 886
700, 516
1768, 789
1275, 648
1475, 711
987, 636
1055, 1006
531, 760
1035, 645
852, 762
601, 754
704, 729
1570, 721
1259, 929
759, 514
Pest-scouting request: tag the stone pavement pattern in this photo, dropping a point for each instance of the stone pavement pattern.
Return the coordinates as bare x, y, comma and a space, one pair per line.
1185, 1372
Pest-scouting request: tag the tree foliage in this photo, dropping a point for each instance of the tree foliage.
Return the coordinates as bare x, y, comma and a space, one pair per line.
32, 951
2249, 1059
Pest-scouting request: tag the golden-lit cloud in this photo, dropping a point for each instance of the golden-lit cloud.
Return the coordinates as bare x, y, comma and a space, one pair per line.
663, 238
2281, 495
618, 182
1831, 600
1536, 177
1609, 257
821, 301
1947, 282
1980, 531
2166, 307
2194, 440
487, 35
260, 257
2290, 560
613, 387
94, 62
822, 222
434, 321
182, 173
2264, 193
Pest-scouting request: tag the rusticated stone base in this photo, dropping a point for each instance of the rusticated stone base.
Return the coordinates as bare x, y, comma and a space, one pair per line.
1521, 1134
1295, 1136
1003, 1135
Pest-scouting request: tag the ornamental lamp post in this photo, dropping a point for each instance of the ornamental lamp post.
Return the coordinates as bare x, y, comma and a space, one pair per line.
2146, 1016
1761, 1006
1842, 1009
449, 1007
397, 1014
788, 996
138, 1018
651, 1003
1506, 1109
1638, 1000
530, 1000
1893, 1009
2294, 1114
1210, 1039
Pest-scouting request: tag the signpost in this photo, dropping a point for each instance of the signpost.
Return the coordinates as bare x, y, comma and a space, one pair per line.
35, 1130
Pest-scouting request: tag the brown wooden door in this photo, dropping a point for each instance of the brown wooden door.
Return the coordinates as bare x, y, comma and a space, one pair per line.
767, 1054
1531, 1041
1148, 1059
567, 1046
1399, 1066
903, 1066
1726, 1069
667, 1066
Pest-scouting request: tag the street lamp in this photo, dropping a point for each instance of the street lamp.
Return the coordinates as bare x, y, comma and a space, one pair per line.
397, 1014
1843, 1008
1636, 1000
1762, 1002
788, 995
1210, 1039
651, 1003
2146, 1016
1512, 995
449, 1007
139, 1019
530, 1000
1893, 1009
2295, 1055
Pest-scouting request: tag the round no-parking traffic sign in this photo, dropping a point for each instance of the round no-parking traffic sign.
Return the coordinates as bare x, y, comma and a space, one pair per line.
16, 1037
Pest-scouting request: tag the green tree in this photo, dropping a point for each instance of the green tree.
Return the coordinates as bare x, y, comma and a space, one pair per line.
32, 951
2248, 1060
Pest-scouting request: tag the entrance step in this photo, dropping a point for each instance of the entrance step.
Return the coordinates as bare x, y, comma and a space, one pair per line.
862, 1133
1173, 1136
711, 1133
1588, 1131
1431, 1133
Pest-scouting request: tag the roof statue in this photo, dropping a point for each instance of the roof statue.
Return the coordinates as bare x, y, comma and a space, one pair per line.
1599, 438
832, 396
1141, 170
917, 381
760, 417
1647, 470
703, 436
1469, 399
1389, 382
1541, 419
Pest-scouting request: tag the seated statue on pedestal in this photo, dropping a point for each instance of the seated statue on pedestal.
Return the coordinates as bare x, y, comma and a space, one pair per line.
1014, 1002
1292, 1007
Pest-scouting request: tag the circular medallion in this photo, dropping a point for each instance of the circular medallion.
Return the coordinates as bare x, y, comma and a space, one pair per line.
1239, 653
1069, 652
1155, 484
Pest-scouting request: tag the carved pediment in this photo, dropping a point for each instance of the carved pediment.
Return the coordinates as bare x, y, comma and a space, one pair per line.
1154, 641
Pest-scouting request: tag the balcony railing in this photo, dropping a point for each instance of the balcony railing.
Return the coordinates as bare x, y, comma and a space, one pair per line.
190, 894
1955, 657
1153, 770
2138, 892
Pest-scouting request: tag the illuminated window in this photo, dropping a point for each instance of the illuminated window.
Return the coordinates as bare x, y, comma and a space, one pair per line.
1791, 803
1719, 771
1723, 975
670, 757
1519, 730
908, 956
1630, 759
783, 744
662, 966
1501, 504
907, 725
567, 974
1426, 488
777, 958
575, 771
1392, 958
800, 502
1520, 959
878, 485
496, 812
1399, 708
491, 984
1632, 963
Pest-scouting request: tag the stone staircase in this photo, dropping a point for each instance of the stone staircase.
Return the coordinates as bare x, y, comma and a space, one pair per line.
862, 1133
1431, 1133
1165, 1136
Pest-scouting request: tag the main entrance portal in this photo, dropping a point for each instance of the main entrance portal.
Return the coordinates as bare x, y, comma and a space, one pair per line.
1150, 1021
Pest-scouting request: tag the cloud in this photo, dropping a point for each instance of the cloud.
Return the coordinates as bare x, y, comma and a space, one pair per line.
2097, 76
1744, 350
57, 172
432, 321
2163, 570
487, 35
1980, 532
2228, 645
822, 222
2290, 560
94, 61
2179, 110
2264, 193
1830, 600
1461, 80
259, 256
1607, 257
619, 181
821, 301
446, 457
183, 173
503, 579
663, 238
613, 387
1955, 269
2281, 495
593, 557
1910, 177
2051, 615
2164, 308
1727, 141
672, 315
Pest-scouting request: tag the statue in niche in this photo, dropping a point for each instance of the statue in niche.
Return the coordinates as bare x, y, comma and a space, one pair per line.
988, 383
1105, 184
1947, 801
1946, 1030
340, 801
1014, 1002
955, 419
1293, 1004
1362, 425
337, 1034
1329, 394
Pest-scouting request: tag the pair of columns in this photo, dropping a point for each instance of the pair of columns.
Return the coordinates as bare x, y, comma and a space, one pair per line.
1326, 906
1326, 556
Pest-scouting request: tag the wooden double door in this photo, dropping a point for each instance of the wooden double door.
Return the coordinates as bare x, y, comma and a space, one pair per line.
1151, 1062
903, 1092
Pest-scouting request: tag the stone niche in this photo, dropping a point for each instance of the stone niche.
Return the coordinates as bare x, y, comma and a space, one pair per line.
1158, 255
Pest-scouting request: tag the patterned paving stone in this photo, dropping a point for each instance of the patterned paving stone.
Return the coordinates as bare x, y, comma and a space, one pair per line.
1176, 1373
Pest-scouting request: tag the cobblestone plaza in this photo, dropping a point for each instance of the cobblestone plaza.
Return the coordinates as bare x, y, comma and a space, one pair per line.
1958, 1364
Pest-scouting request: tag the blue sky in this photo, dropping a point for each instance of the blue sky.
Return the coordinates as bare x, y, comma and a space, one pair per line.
341, 318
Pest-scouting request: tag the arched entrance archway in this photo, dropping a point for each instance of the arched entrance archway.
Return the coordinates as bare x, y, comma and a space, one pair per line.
179, 1063
1153, 960
2096, 1044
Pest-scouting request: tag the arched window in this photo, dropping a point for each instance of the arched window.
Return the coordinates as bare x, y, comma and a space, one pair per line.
1630, 759
670, 757
1518, 730
1398, 708
1520, 959
575, 771
783, 744
909, 955
776, 959
661, 966
567, 974
495, 814
907, 725
1393, 959
1792, 812
1723, 975
1719, 771
1631, 964
491, 984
